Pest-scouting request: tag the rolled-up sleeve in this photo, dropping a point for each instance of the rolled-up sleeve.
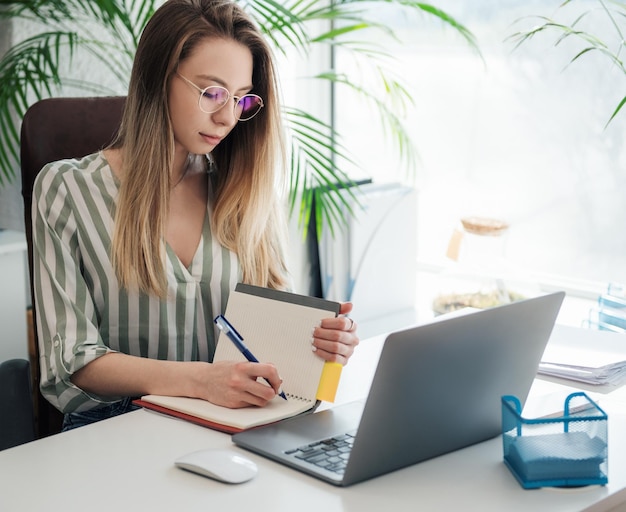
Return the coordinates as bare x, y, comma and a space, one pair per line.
67, 323
83, 313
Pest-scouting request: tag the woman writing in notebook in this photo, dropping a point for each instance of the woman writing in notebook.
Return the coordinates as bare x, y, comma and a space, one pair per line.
137, 247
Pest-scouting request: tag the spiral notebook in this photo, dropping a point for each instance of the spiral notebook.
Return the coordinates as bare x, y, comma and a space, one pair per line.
277, 327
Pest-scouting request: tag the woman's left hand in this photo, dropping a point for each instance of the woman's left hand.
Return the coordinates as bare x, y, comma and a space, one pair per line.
335, 339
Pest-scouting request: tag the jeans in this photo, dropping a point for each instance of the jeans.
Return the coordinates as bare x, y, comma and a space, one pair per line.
78, 419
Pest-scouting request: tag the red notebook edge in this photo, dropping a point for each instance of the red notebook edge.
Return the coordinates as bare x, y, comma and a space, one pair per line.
187, 417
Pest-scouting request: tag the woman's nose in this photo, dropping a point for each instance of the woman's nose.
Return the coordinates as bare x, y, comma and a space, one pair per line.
225, 115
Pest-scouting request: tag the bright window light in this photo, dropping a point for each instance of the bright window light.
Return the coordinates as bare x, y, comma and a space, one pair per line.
520, 136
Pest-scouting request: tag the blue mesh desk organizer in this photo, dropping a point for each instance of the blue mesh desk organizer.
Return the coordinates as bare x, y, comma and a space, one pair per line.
567, 451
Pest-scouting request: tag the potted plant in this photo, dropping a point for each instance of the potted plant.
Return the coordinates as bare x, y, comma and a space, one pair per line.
42, 65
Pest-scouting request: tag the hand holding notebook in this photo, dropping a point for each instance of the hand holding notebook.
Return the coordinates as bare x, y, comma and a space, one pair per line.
277, 327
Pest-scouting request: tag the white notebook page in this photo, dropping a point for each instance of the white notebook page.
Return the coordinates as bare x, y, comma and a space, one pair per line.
280, 333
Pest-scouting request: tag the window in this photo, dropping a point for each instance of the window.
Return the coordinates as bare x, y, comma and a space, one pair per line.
520, 136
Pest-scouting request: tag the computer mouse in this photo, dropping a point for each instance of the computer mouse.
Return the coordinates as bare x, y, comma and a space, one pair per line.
222, 465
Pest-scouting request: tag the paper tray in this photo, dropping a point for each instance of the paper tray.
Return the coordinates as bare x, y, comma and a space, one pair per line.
567, 451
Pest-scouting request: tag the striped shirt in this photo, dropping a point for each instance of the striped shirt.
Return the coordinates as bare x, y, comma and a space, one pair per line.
82, 313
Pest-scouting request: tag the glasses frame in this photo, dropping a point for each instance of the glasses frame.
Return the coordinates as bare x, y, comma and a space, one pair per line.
228, 98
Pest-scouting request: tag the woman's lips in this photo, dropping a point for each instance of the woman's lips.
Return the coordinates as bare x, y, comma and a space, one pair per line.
214, 140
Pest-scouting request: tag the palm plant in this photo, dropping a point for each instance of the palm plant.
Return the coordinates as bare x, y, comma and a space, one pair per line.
613, 14
108, 30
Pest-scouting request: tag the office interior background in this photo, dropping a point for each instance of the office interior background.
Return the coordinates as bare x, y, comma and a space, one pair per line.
514, 134
518, 133
520, 136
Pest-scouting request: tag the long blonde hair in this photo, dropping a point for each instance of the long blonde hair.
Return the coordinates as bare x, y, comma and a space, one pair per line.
246, 213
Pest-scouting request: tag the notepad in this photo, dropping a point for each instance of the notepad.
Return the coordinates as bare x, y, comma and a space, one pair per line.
560, 455
277, 327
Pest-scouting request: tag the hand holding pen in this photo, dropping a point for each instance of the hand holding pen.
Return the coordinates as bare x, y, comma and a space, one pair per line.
226, 327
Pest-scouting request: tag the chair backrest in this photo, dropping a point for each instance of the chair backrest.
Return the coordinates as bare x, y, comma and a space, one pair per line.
17, 420
53, 129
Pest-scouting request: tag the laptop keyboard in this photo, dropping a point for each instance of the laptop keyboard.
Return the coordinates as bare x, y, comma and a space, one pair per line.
331, 454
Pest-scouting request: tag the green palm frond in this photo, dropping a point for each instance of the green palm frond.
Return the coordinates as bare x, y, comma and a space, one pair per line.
390, 108
615, 12
313, 147
313, 171
34, 69
280, 23
31, 69
350, 8
38, 66
449, 20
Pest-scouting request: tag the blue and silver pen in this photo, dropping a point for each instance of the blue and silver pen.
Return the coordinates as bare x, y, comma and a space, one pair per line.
227, 328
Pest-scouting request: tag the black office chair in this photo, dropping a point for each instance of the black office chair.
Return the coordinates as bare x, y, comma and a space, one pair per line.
17, 419
53, 129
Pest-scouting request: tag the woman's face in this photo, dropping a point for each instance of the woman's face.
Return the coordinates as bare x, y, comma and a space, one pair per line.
222, 62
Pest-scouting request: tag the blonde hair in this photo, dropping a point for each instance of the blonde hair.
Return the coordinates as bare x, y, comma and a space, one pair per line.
246, 212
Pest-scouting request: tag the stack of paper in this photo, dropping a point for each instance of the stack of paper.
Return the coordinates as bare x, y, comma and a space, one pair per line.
585, 355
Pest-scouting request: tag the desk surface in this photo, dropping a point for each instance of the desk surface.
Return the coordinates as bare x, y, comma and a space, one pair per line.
126, 463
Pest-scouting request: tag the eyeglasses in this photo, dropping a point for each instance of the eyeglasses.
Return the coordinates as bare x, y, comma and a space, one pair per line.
214, 97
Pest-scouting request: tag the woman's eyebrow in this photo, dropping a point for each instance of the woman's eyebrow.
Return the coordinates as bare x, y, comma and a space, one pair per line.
221, 82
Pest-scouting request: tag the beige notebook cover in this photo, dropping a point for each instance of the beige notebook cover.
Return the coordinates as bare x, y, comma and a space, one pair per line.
277, 327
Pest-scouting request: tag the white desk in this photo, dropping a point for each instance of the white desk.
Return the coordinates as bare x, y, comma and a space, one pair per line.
126, 463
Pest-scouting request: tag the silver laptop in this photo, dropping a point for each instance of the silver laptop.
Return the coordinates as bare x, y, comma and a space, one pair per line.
437, 388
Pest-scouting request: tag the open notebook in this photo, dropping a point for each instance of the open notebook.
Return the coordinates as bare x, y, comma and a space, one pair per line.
277, 327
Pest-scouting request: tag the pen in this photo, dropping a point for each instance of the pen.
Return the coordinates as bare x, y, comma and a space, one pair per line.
227, 328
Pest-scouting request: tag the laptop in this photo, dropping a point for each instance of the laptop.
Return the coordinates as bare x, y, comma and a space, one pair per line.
437, 388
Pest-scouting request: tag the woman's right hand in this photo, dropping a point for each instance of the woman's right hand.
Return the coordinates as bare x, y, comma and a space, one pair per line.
240, 384
231, 384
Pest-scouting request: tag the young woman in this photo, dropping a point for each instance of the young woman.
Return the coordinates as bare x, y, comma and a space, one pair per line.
138, 246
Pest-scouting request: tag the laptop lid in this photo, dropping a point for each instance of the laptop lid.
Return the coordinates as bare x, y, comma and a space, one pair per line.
437, 388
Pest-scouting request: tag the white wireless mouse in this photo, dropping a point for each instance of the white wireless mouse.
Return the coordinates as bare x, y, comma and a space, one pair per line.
222, 465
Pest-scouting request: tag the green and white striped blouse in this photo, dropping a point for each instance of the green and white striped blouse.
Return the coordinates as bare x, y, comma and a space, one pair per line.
81, 311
